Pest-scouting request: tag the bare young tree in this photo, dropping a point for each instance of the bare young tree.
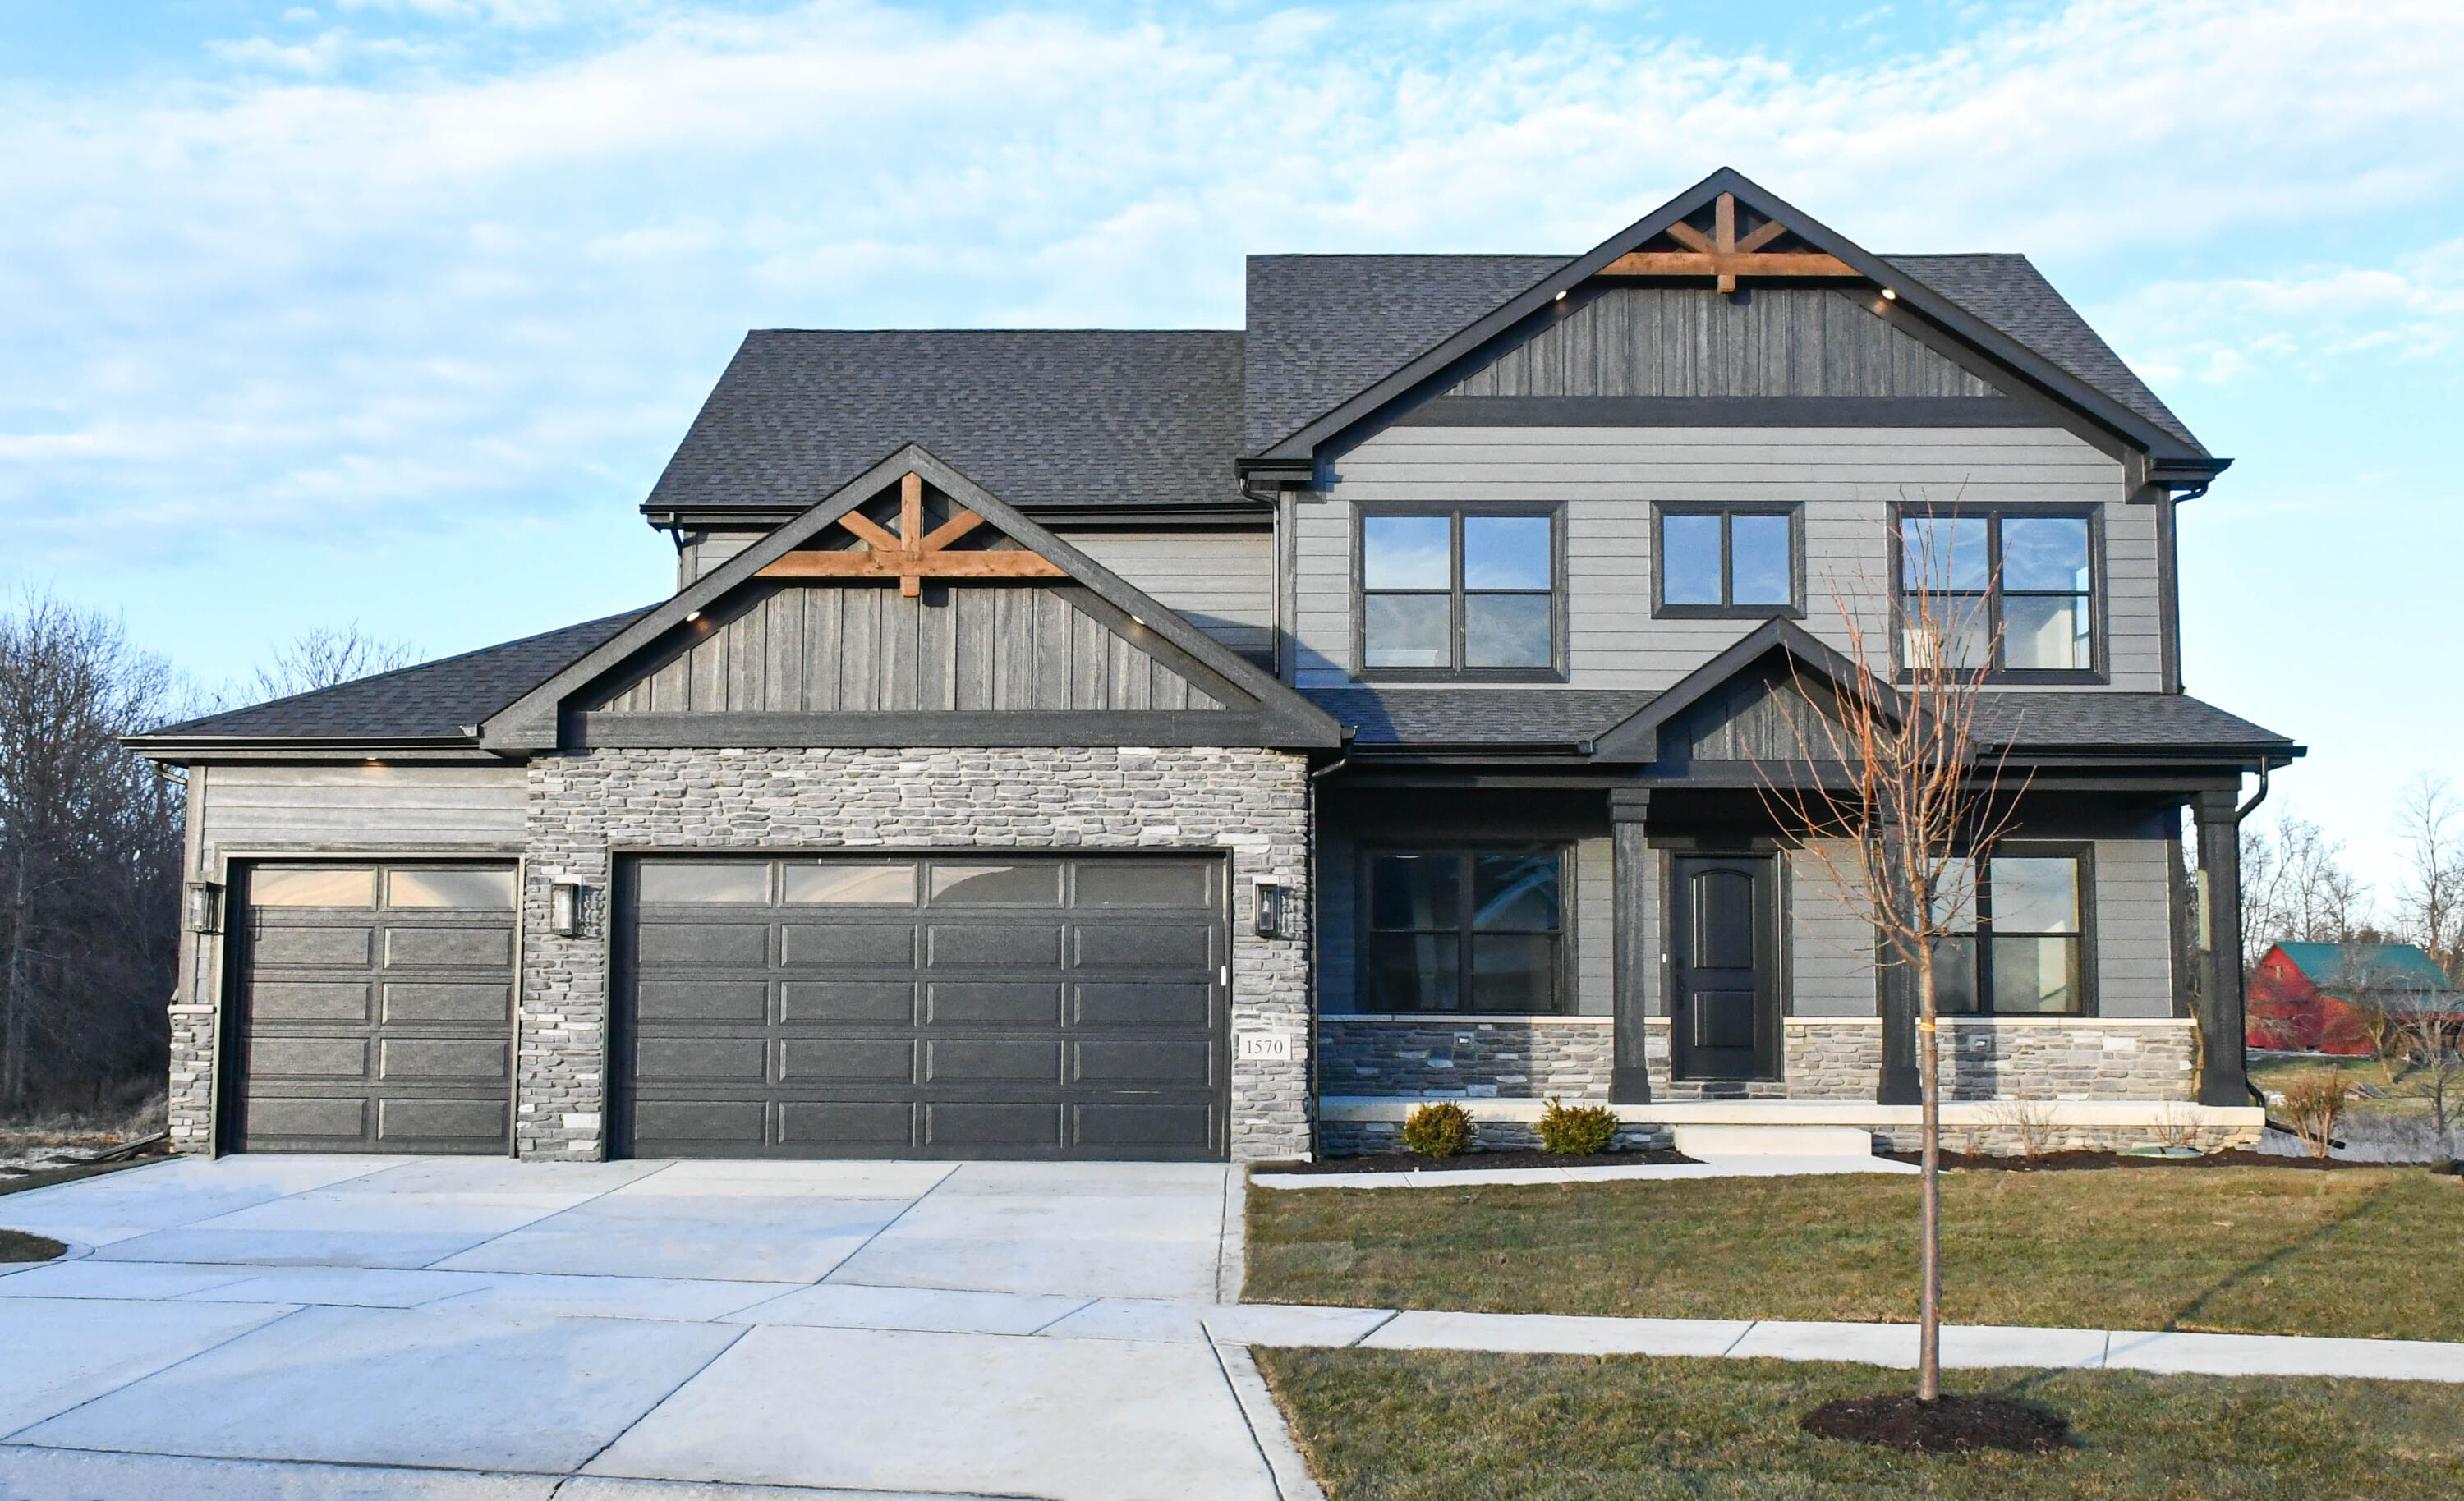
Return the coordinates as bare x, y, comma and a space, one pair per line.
2430, 900
2432, 1042
321, 658
89, 859
1894, 794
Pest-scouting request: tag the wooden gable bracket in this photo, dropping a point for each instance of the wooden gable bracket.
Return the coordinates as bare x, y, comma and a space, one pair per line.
1721, 254
911, 554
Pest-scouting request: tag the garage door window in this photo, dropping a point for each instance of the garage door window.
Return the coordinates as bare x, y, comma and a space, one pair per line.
1010, 885
841, 884
734, 881
471, 890
312, 888
1142, 885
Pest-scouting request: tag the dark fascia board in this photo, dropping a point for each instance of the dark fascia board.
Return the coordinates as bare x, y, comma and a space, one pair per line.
1637, 738
1231, 514
1284, 718
195, 750
1301, 446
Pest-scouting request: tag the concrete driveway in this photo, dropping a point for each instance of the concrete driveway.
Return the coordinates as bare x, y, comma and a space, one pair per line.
486, 1329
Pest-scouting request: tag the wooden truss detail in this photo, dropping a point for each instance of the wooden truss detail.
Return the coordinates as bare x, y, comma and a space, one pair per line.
1721, 254
911, 554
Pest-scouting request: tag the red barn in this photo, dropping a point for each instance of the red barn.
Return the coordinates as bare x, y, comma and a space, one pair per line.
2312, 997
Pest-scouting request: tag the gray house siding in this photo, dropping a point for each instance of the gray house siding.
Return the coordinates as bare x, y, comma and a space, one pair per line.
1610, 479
2134, 942
1222, 583
358, 808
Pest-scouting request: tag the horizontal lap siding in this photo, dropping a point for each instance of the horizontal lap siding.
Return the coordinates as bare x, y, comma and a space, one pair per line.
1609, 478
1222, 583
352, 808
2134, 943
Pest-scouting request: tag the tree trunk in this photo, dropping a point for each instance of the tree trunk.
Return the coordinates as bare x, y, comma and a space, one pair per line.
1928, 1193
14, 1018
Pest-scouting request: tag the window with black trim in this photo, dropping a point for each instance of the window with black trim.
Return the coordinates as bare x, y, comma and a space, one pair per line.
1463, 930
1737, 561
1465, 593
2017, 585
2022, 941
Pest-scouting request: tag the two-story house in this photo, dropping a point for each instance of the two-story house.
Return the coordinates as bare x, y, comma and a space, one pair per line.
1208, 744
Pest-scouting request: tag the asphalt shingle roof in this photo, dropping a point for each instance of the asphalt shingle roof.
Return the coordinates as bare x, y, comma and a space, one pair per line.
434, 699
1039, 417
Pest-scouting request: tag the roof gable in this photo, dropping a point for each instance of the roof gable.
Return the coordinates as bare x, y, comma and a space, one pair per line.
1732, 706
964, 535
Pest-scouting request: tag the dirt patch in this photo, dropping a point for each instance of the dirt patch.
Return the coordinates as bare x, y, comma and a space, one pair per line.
1955, 1425
18, 1245
1414, 1161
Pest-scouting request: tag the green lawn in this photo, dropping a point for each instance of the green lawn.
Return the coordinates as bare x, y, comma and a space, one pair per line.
1386, 1425
2367, 1254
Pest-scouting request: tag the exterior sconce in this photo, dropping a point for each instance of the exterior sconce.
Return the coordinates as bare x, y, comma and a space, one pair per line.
1268, 898
204, 910
565, 907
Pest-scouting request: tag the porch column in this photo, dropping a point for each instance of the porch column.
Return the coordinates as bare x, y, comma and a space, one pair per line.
2223, 1032
1630, 1076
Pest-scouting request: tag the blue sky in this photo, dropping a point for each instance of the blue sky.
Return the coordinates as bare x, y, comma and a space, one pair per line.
390, 311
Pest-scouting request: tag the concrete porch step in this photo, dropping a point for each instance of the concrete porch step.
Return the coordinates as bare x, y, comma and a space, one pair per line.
1773, 1141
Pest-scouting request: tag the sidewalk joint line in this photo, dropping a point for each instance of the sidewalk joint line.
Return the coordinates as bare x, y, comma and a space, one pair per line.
1392, 1315
1750, 1326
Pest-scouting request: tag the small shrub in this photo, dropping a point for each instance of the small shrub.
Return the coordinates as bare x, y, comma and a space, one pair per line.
1438, 1130
1577, 1130
2315, 1103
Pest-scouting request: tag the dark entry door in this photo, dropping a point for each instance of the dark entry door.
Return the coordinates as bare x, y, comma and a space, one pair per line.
981, 1003
1724, 956
373, 1009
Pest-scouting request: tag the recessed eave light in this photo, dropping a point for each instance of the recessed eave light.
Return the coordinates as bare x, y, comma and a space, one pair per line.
1888, 295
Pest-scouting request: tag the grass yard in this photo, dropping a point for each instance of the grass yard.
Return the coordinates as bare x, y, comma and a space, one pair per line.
1387, 1426
2367, 1252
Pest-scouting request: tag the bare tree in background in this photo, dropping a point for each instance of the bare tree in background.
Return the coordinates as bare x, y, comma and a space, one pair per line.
1890, 792
90, 845
2295, 888
321, 658
2430, 899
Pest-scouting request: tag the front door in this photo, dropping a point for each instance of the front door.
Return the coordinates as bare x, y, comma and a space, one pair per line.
1724, 961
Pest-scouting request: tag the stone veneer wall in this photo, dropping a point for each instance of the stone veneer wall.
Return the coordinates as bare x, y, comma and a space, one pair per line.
1251, 804
1476, 1057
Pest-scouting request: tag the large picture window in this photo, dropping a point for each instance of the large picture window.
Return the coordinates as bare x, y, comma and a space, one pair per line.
2021, 947
2026, 576
1728, 562
1461, 592
1463, 931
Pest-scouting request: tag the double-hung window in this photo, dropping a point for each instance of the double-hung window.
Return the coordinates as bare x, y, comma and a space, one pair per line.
1715, 561
1463, 931
2020, 940
2009, 591
1465, 593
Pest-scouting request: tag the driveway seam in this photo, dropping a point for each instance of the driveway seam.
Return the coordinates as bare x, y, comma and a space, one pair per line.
576, 1471
1248, 1424
886, 1228
431, 1265
237, 1334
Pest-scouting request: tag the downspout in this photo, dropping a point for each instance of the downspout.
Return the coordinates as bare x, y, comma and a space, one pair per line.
2257, 1095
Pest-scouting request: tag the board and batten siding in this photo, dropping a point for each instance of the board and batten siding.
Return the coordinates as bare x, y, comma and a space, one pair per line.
809, 649
356, 809
1609, 478
1222, 583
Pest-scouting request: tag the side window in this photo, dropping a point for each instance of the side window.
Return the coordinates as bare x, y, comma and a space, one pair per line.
1712, 562
2013, 591
1455, 594
2021, 948
1463, 930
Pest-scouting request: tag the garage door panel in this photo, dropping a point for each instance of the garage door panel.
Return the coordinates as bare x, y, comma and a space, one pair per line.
1011, 945
879, 1002
309, 1057
382, 1025
458, 1060
705, 943
282, 1001
1156, 947
847, 1126
976, 1006
1145, 1061
277, 946
479, 1123
849, 943
705, 1000
446, 1003
838, 1060
449, 947
960, 1003
990, 1060
1134, 1004
744, 1060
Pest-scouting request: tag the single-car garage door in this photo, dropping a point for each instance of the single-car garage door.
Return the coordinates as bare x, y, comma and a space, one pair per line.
374, 1010
964, 1005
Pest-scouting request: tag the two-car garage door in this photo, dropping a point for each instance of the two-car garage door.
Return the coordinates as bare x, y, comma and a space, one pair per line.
969, 1005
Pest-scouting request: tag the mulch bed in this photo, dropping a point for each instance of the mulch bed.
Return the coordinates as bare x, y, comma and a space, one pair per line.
1414, 1161
18, 1245
2066, 1161
1955, 1425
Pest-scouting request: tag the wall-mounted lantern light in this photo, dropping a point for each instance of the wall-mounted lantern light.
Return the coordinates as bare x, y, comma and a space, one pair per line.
565, 907
204, 912
1268, 897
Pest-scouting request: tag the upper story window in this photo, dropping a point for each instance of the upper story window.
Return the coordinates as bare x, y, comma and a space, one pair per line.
1462, 593
1463, 930
1744, 561
2017, 585
2023, 933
